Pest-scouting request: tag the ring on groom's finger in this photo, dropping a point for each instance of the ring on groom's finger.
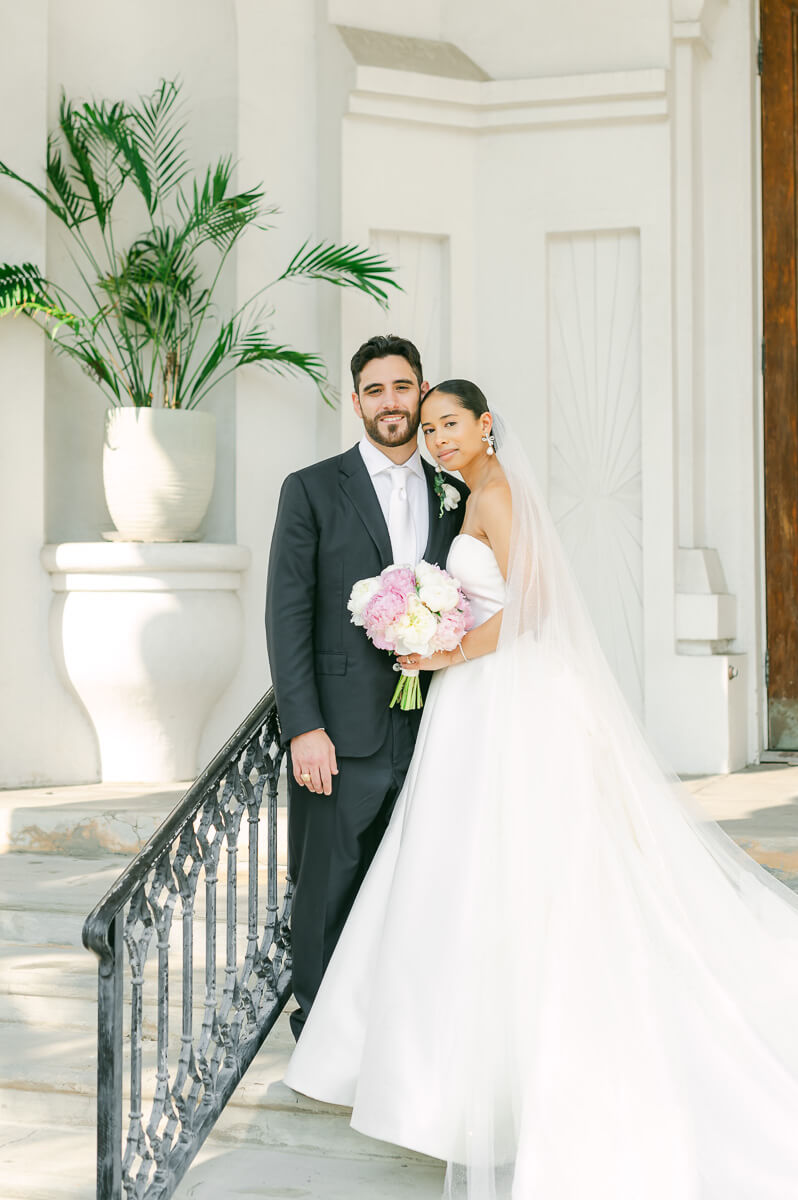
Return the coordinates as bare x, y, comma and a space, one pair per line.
306, 775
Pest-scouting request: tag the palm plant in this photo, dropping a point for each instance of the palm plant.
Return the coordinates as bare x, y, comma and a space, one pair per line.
142, 328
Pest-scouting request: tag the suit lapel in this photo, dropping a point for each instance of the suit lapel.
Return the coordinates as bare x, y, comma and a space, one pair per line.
441, 528
356, 482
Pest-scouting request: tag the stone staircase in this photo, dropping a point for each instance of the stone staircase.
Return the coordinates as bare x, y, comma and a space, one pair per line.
60, 849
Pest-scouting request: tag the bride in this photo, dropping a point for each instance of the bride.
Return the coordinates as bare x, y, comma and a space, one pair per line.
557, 976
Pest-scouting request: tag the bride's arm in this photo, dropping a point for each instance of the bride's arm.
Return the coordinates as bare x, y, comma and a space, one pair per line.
494, 521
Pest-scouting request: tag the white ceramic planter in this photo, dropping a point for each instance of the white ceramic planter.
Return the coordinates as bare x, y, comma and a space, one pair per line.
158, 470
148, 637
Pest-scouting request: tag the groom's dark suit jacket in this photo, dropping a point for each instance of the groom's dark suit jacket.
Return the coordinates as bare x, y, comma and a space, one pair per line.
329, 533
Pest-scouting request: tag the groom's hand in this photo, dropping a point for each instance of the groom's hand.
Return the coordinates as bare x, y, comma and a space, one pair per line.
313, 758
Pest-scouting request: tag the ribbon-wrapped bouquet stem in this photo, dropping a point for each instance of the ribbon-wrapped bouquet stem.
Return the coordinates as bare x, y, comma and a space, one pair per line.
411, 610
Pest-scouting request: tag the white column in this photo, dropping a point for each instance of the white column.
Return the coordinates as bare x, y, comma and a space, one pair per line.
45, 738
707, 729
276, 416
688, 283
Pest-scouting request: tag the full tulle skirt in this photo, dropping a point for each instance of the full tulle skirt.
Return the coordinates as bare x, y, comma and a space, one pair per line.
558, 977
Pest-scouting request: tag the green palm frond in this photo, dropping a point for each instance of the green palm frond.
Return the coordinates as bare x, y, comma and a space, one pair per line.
344, 266
102, 131
157, 285
257, 347
69, 123
210, 215
157, 130
23, 289
157, 258
58, 178
106, 129
56, 209
238, 345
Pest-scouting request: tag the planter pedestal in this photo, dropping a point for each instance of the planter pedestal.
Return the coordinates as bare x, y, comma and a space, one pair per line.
148, 636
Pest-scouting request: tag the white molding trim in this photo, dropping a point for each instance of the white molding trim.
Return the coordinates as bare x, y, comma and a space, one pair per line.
496, 105
145, 566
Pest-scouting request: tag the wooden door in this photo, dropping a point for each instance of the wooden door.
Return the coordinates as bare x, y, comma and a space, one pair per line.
779, 26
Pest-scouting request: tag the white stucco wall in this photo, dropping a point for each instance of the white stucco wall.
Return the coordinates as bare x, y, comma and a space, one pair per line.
44, 735
85, 62
476, 188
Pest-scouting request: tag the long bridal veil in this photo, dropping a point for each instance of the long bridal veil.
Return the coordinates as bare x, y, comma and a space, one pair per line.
638, 971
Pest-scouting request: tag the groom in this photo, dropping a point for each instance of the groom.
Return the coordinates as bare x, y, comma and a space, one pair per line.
339, 521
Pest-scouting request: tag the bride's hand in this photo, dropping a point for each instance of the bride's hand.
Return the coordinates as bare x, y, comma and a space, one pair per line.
434, 662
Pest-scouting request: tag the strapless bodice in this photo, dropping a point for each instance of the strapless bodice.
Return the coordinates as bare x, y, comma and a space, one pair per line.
474, 564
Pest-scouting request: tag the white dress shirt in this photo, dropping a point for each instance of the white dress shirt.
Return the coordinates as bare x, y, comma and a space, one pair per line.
378, 466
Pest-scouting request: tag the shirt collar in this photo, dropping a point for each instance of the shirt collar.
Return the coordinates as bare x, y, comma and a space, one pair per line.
376, 461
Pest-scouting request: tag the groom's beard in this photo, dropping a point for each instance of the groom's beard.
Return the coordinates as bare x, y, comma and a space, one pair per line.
394, 428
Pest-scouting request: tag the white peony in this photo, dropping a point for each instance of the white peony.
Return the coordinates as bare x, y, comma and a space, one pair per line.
362, 592
425, 570
414, 631
440, 594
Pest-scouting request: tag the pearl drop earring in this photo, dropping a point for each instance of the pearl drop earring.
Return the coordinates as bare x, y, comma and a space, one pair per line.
489, 438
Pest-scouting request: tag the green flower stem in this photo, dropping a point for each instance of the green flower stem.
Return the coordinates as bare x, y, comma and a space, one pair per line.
408, 693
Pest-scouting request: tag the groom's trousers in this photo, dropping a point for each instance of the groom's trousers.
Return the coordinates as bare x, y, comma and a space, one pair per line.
331, 842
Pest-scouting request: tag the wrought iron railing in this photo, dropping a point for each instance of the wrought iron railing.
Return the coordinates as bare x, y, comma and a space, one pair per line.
183, 1065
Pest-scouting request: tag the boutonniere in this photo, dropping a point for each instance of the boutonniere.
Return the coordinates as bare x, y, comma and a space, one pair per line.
447, 493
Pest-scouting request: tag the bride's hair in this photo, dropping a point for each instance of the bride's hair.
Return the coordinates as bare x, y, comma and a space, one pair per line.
467, 394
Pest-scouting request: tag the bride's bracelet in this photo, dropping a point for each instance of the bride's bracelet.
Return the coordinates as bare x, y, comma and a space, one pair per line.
462, 651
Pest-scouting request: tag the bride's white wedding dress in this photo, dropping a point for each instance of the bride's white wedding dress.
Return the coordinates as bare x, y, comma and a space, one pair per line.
557, 976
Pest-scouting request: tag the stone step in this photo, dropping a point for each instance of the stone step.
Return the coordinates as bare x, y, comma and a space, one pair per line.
46, 1163
45, 899
52, 987
47, 971
50, 1079
58, 1163
255, 1174
89, 821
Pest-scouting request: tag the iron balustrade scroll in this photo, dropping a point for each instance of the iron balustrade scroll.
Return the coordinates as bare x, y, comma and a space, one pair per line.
172, 897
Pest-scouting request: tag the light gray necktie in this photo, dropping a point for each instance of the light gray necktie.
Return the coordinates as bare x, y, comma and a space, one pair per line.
401, 526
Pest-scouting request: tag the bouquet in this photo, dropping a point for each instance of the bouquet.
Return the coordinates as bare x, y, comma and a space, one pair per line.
411, 610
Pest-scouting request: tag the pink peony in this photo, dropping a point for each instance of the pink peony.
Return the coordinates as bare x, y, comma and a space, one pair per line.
399, 579
451, 628
380, 613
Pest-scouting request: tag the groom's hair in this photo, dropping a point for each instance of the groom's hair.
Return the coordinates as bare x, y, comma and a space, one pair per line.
380, 346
